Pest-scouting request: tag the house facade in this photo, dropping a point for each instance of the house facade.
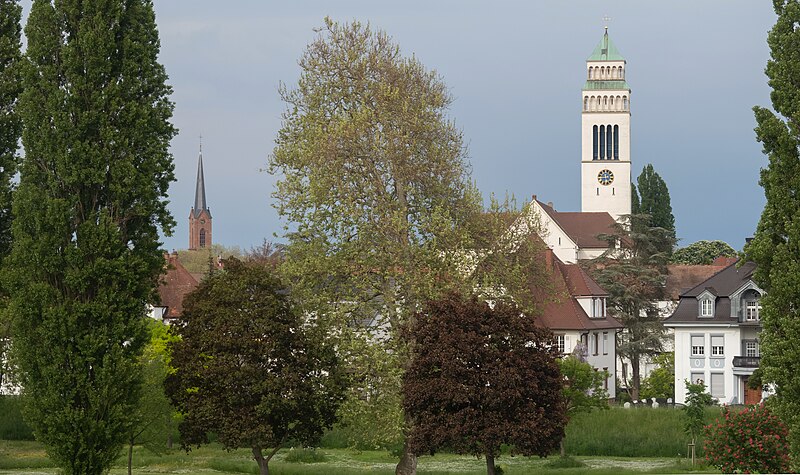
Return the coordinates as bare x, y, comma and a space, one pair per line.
716, 327
576, 313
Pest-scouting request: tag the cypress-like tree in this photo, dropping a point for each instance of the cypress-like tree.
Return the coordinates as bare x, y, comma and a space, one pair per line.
654, 200
89, 205
10, 130
776, 245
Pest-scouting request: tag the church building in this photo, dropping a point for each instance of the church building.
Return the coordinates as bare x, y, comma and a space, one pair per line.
605, 162
200, 215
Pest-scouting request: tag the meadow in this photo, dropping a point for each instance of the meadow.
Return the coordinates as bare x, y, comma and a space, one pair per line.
638, 440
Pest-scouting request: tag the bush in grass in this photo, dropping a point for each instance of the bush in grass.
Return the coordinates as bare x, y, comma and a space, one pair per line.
750, 441
304, 455
12, 425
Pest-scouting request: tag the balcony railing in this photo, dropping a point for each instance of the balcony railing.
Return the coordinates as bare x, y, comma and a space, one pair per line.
746, 361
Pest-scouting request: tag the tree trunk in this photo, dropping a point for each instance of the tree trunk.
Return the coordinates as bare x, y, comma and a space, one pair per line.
563, 450
169, 434
263, 464
635, 377
490, 464
130, 457
407, 464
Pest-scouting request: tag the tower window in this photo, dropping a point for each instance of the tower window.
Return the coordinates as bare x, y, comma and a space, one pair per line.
586, 103
609, 142
202, 238
625, 102
616, 142
591, 70
602, 142
594, 143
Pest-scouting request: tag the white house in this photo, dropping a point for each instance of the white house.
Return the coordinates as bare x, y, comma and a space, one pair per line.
716, 326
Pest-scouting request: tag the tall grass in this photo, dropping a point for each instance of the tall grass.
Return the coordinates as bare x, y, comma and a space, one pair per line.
635, 432
12, 426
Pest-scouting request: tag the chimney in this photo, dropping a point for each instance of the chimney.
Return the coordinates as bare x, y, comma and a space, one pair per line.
548, 258
550, 204
534, 197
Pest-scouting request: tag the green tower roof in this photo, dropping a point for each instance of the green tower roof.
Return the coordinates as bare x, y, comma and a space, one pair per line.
606, 51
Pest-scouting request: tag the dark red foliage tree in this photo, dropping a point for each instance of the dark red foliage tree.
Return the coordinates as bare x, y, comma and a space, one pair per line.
249, 368
481, 377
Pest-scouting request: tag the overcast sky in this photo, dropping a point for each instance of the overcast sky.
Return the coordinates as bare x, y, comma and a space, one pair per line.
515, 68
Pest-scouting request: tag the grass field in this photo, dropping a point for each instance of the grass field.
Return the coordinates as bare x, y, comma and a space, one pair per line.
28, 458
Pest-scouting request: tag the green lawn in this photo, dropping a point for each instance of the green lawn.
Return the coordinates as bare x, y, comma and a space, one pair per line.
23, 457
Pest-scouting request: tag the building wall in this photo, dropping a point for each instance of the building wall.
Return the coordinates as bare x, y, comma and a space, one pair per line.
687, 365
556, 239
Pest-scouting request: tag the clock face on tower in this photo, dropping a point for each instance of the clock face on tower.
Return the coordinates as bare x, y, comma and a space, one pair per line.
605, 177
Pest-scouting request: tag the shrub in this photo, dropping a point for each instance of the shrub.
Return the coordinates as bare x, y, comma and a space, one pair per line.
750, 441
304, 455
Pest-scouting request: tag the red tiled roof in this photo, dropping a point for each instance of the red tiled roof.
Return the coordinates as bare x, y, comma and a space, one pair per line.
562, 311
583, 228
175, 284
682, 277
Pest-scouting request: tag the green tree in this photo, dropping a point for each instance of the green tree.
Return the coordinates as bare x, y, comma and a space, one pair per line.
702, 252
654, 200
776, 244
583, 387
635, 204
697, 399
633, 271
88, 209
482, 376
249, 368
10, 130
661, 381
374, 188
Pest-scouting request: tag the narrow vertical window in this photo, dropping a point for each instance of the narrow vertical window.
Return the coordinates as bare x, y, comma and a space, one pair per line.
602, 142
624, 102
586, 103
609, 142
594, 143
202, 238
616, 142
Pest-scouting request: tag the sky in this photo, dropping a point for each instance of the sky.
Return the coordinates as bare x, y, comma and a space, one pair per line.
515, 70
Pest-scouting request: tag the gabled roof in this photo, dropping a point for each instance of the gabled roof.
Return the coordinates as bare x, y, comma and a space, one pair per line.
562, 311
724, 283
605, 50
582, 228
683, 277
175, 284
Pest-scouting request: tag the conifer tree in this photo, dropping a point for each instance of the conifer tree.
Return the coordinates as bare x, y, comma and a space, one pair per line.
654, 200
776, 245
89, 205
10, 130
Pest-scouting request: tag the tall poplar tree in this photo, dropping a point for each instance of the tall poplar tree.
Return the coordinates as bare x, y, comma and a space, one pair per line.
90, 202
654, 200
776, 245
10, 130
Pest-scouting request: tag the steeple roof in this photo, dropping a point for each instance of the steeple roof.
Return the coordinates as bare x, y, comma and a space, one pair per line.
606, 51
200, 190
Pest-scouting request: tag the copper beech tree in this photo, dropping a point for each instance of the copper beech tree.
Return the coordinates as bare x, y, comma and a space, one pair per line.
249, 368
481, 377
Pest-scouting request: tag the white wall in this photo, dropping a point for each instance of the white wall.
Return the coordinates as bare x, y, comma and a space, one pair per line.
686, 365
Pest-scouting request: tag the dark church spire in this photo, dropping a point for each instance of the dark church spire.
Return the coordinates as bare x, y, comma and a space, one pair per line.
200, 190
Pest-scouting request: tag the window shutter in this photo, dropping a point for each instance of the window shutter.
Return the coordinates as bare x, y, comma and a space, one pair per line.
717, 385
717, 341
698, 340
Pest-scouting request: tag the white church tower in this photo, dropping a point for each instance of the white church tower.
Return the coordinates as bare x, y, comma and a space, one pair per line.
606, 133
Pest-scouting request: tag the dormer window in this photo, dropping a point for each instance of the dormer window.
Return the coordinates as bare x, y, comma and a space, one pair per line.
705, 302
706, 307
598, 307
752, 310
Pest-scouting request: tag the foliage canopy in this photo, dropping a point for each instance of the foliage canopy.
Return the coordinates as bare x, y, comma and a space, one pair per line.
702, 252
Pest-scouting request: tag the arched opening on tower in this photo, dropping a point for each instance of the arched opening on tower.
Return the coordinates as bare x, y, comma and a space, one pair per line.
202, 238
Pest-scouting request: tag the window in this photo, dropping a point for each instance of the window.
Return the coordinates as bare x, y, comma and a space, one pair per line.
202, 238
751, 348
602, 142
718, 385
598, 307
605, 343
586, 103
752, 308
561, 343
605, 381
698, 345
596, 342
698, 378
625, 102
718, 345
609, 142
616, 142
594, 143
706, 307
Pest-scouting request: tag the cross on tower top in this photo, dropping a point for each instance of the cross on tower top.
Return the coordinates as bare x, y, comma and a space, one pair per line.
606, 19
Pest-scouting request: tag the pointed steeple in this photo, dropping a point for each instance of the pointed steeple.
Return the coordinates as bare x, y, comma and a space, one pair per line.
606, 51
200, 190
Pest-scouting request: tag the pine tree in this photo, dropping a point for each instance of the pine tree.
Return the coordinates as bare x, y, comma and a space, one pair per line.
90, 202
776, 245
654, 200
10, 130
